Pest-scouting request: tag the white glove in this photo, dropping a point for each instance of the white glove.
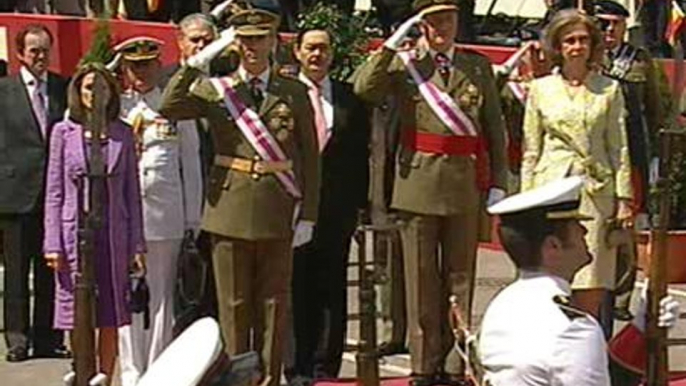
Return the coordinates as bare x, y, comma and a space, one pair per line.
303, 233
495, 195
669, 311
217, 11
114, 63
396, 40
203, 58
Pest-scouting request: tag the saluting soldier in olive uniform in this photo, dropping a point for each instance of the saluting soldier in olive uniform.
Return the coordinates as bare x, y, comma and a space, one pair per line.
449, 111
264, 179
640, 80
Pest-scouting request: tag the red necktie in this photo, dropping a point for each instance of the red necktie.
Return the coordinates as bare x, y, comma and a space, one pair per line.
443, 64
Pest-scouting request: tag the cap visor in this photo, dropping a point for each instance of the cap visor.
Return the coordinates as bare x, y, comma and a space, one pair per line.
252, 32
438, 8
568, 215
141, 58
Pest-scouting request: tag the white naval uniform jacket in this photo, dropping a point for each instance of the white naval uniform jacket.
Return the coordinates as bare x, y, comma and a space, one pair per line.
169, 169
527, 339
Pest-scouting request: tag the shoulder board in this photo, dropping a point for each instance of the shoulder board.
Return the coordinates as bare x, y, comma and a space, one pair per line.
565, 306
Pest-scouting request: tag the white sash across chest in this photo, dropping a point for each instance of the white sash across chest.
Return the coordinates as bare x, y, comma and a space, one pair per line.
440, 102
257, 134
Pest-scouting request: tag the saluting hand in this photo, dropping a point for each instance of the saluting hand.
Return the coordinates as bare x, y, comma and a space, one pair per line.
395, 41
203, 58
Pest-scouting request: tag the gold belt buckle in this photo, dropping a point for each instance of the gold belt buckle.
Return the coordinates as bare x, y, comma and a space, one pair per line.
256, 170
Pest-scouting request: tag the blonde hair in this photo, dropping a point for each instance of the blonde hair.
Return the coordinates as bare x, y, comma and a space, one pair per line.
552, 36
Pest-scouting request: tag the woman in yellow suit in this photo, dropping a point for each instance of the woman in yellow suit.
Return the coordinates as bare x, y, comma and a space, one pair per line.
574, 125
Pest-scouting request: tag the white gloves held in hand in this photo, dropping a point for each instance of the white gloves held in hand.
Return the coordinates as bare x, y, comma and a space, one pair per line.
396, 40
203, 58
303, 233
669, 312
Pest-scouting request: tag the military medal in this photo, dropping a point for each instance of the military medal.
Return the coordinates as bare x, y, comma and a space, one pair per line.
621, 64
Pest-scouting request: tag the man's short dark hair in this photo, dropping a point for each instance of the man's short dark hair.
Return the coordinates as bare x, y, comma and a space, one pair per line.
20, 39
523, 236
301, 34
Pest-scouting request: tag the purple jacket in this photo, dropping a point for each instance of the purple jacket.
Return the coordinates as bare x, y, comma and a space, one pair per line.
66, 166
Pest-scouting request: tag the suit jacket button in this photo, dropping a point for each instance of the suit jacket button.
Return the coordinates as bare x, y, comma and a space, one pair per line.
255, 176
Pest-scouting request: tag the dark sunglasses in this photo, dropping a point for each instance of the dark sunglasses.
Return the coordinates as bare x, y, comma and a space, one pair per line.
198, 39
605, 24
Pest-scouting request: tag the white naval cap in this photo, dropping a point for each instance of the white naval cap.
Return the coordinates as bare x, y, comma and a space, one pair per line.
556, 200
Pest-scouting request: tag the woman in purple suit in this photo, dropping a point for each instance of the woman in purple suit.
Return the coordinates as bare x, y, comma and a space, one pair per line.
119, 243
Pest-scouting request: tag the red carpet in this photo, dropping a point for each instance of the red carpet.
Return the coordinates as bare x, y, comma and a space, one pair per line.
400, 381
678, 379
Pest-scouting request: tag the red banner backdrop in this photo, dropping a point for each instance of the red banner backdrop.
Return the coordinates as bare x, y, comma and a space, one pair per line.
73, 38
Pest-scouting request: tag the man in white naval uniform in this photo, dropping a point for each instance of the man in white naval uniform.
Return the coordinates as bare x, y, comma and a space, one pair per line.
531, 334
169, 167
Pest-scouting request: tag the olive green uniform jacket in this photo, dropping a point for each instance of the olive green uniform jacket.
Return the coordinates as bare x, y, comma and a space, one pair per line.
438, 184
238, 205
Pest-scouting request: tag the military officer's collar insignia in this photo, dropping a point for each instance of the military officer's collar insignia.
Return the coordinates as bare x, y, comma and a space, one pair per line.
565, 305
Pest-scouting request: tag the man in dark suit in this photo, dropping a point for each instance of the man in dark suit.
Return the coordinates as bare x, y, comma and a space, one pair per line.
31, 102
320, 266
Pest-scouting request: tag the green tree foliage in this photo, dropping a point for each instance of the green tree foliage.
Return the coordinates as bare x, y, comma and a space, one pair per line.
100, 50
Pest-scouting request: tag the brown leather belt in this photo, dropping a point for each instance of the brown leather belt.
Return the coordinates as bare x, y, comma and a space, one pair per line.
256, 168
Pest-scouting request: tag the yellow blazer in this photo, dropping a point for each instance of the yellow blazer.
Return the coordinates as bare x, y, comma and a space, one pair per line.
583, 134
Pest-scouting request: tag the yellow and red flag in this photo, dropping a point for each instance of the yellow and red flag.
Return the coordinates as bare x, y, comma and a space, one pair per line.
676, 23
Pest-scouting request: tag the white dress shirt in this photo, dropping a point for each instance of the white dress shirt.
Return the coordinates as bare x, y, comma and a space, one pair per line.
326, 96
247, 77
169, 167
526, 339
29, 81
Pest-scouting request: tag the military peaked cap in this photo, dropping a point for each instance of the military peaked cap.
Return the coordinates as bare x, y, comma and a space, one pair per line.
558, 200
254, 22
431, 6
609, 7
139, 48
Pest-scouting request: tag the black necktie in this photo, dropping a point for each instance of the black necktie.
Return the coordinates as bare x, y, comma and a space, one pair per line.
256, 91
